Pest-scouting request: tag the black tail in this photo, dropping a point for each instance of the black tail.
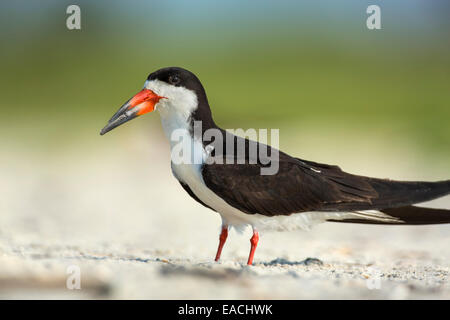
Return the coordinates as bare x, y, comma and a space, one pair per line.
350, 193
394, 200
409, 215
384, 194
404, 193
377, 201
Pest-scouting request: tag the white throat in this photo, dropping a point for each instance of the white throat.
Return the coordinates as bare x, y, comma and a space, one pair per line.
176, 109
175, 112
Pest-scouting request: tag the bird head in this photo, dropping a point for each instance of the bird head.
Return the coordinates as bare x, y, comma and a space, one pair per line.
168, 90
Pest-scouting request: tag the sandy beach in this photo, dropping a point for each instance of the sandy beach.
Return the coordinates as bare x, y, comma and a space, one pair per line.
126, 224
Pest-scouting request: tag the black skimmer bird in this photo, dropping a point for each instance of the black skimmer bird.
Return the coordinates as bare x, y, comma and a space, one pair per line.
299, 194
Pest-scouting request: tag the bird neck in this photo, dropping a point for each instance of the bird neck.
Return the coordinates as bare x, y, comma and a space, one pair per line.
179, 120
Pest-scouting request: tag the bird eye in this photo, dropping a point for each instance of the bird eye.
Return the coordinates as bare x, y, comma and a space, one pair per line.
174, 79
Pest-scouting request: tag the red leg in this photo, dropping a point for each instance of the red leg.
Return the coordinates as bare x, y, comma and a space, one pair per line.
222, 239
254, 242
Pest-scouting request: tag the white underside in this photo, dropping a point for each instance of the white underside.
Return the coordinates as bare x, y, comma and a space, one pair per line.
191, 175
174, 113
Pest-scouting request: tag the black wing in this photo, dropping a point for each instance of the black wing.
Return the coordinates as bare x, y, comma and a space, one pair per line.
302, 185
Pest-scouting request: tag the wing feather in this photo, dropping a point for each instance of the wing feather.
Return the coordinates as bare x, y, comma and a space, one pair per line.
301, 185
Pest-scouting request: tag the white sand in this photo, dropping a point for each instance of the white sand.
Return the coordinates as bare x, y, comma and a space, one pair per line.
119, 215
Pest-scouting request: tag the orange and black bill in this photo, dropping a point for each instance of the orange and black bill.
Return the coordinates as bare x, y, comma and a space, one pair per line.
143, 102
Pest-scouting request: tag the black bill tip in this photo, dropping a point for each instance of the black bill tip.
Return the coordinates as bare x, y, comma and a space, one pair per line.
116, 121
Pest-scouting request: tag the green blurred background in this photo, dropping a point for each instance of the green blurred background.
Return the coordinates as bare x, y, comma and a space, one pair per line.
375, 102
309, 68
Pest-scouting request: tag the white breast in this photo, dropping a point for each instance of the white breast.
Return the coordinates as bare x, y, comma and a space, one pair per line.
175, 115
191, 175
